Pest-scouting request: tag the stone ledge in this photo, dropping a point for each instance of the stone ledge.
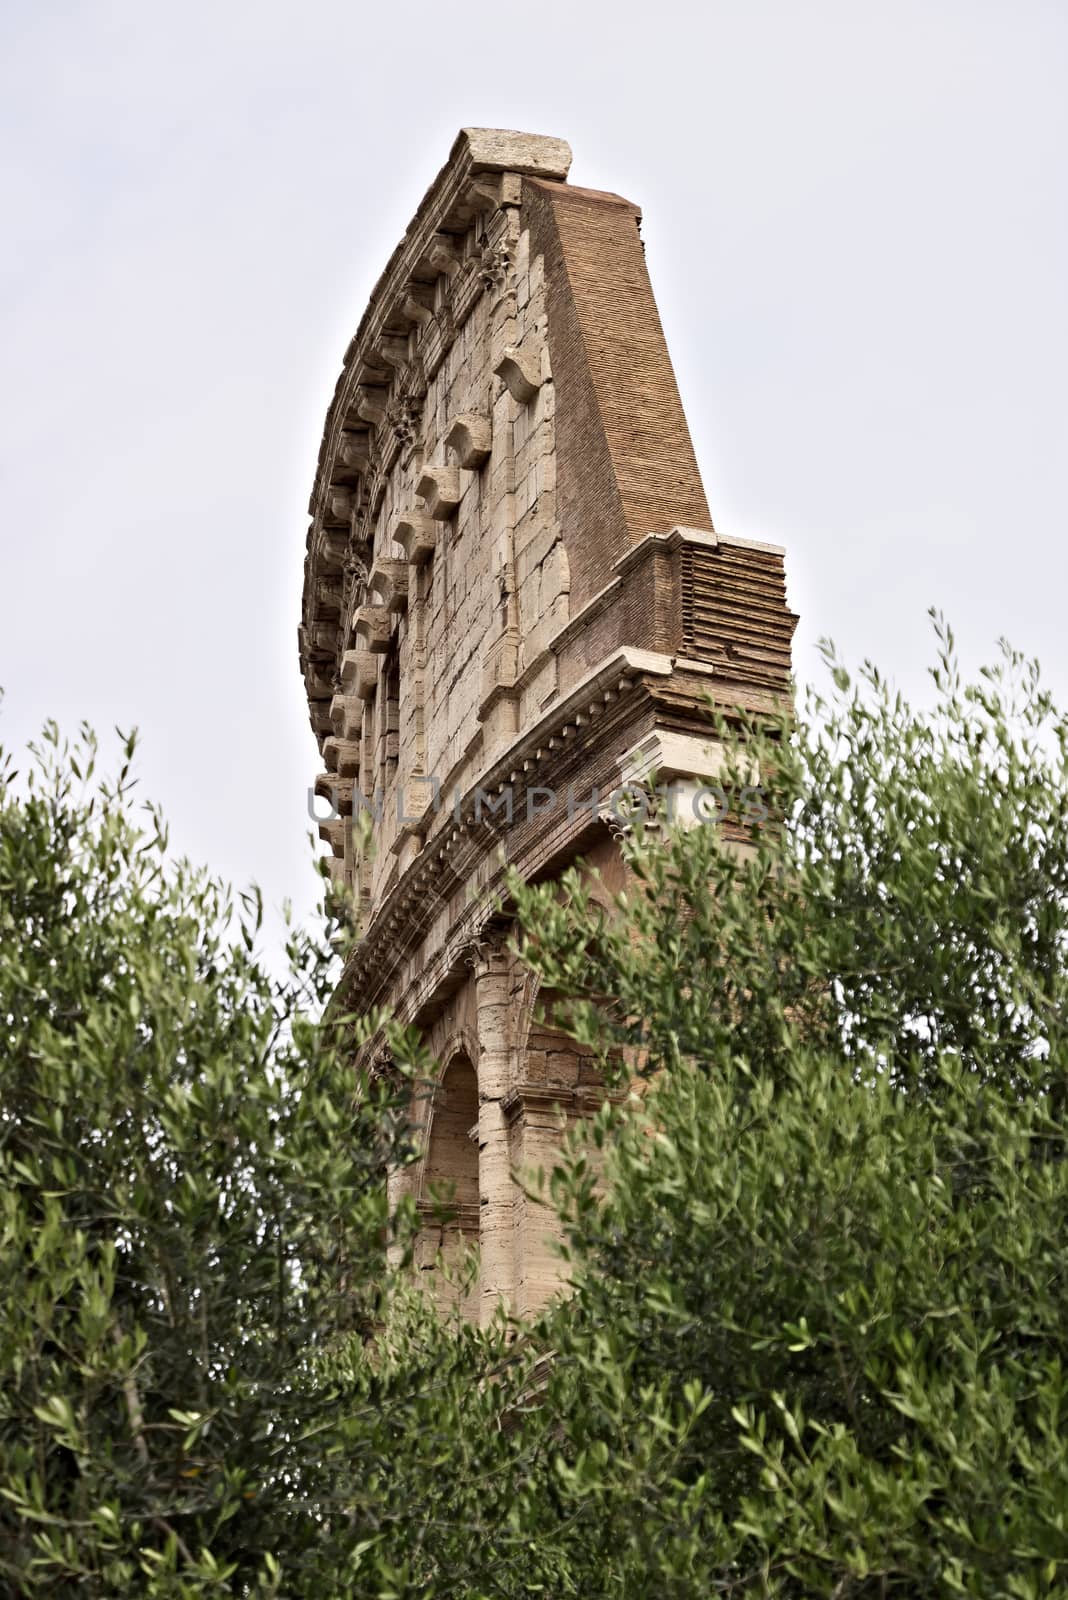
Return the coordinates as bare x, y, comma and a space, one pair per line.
618, 674
574, 625
470, 436
535, 155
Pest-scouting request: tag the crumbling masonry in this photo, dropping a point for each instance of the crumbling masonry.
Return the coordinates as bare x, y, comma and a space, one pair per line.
514, 603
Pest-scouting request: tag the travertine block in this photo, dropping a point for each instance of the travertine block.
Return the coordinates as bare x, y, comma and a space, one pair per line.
339, 506
443, 254
440, 488
359, 672
353, 451
346, 715
387, 583
370, 405
520, 371
470, 435
371, 629
342, 756
338, 791
333, 834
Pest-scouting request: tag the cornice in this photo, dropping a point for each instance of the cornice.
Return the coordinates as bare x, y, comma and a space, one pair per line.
469, 835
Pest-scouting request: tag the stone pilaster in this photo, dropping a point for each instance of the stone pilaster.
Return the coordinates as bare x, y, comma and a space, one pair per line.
495, 982
538, 1119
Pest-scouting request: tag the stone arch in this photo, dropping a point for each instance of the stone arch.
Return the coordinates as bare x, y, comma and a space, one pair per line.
461, 1040
451, 1155
448, 1200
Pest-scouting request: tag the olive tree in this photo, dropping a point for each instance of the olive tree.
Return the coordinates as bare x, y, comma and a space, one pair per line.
192, 1211
818, 1336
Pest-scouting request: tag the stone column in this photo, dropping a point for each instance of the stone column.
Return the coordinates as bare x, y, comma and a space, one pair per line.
494, 982
541, 1117
498, 710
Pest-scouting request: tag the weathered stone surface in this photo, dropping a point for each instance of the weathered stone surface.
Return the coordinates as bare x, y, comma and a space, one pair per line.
342, 756
387, 583
416, 533
333, 834
520, 371
353, 451
359, 672
338, 507
440, 489
512, 573
331, 787
371, 629
470, 437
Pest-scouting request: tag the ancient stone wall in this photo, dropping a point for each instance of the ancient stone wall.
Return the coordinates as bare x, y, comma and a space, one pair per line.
514, 602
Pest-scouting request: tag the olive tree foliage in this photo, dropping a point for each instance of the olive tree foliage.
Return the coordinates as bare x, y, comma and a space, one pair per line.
191, 1212
814, 1339
818, 1337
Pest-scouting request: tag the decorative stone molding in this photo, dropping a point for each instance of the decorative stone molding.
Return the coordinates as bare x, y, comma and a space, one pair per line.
339, 507
470, 437
485, 191
371, 629
342, 756
416, 533
318, 682
316, 641
370, 405
443, 255
388, 583
337, 790
392, 348
333, 833
401, 424
359, 672
327, 598
353, 451
346, 716
675, 539
495, 266
440, 488
671, 755
383, 1066
488, 953
458, 1218
331, 548
413, 307
543, 1099
520, 371
519, 766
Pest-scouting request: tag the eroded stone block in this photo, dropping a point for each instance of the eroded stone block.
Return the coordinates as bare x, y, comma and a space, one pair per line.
470, 436
439, 487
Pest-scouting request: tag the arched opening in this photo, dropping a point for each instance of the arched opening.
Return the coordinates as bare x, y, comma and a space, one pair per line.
452, 1151
448, 1194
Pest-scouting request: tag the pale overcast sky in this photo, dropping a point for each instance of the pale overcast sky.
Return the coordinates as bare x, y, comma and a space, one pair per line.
857, 229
